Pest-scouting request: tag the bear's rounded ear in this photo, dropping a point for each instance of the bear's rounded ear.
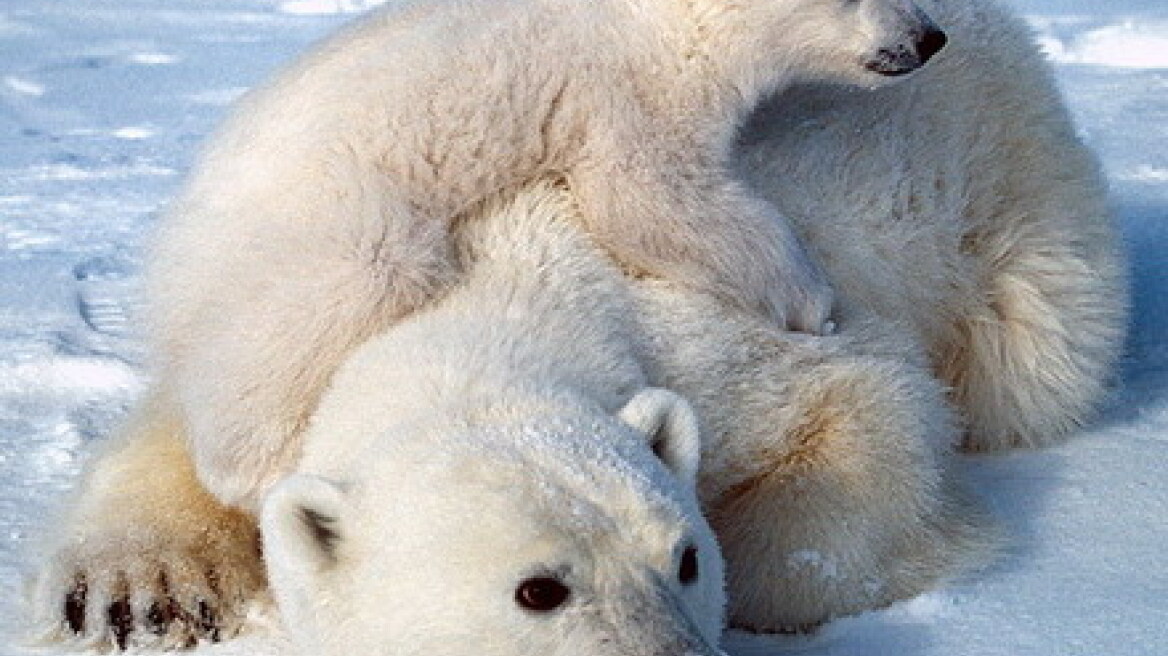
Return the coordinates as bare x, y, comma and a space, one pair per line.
301, 524
671, 427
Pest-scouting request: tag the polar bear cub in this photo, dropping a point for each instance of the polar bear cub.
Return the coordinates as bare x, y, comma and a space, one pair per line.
337, 183
499, 467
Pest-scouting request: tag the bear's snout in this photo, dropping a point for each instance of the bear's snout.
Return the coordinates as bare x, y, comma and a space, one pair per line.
904, 59
930, 43
918, 41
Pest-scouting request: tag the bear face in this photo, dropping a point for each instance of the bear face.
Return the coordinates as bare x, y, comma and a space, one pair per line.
560, 533
761, 45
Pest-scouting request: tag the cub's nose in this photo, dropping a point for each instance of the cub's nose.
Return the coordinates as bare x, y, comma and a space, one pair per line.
931, 41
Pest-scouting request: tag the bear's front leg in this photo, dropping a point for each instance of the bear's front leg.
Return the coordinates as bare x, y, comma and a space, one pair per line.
251, 323
145, 556
691, 224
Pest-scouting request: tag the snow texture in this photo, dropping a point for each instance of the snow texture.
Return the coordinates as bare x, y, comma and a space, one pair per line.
103, 102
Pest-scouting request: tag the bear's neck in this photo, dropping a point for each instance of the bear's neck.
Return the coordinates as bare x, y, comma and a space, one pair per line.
705, 79
737, 80
540, 306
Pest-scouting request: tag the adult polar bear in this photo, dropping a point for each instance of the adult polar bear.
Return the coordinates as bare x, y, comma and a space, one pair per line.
967, 225
495, 475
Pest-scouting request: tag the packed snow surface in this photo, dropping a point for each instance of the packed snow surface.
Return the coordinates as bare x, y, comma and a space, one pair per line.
102, 103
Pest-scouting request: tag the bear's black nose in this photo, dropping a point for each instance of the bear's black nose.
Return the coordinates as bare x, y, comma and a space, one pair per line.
930, 43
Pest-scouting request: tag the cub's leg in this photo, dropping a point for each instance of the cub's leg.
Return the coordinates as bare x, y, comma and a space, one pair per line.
698, 227
252, 330
144, 555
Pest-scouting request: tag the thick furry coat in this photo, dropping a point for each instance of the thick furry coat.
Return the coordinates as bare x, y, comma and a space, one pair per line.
981, 303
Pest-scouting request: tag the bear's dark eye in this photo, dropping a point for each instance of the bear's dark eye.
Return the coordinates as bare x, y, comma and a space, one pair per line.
687, 570
541, 594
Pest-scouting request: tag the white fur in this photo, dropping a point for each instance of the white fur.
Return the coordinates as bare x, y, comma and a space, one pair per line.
122, 539
981, 301
477, 444
336, 184
962, 204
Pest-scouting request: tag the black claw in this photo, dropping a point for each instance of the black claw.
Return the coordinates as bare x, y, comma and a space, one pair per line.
121, 621
75, 607
208, 622
158, 618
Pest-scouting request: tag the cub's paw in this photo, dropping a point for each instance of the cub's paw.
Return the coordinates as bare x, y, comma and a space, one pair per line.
811, 310
148, 589
800, 298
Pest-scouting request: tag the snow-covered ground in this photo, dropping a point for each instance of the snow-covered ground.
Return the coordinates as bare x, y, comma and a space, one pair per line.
102, 103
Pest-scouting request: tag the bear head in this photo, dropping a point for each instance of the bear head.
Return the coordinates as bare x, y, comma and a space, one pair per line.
508, 529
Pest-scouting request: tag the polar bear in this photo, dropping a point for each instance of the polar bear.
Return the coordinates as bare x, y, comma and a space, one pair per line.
981, 302
503, 466
499, 464
337, 183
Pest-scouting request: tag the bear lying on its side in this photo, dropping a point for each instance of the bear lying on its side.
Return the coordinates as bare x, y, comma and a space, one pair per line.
499, 464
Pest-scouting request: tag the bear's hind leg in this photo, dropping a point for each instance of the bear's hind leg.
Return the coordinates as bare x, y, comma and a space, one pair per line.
145, 556
1029, 359
825, 465
844, 502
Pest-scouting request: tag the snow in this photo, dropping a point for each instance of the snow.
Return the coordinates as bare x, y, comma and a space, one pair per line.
1127, 44
102, 103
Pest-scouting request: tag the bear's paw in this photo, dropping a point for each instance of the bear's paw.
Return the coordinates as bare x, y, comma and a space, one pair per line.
159, 587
